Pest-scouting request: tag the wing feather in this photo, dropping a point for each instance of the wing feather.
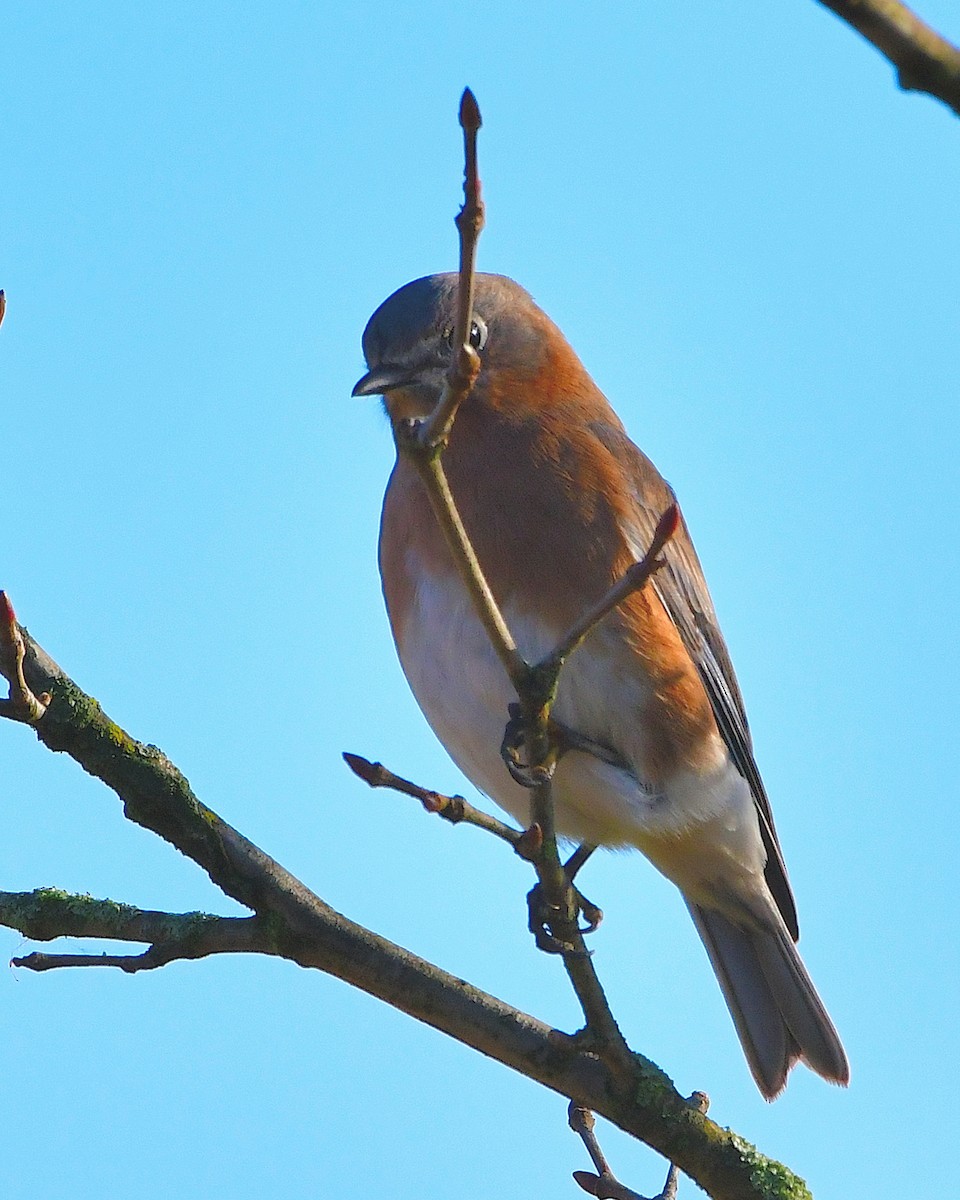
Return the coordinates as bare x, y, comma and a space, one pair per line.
683, 592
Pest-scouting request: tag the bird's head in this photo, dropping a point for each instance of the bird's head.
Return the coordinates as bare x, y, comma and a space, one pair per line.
408, 342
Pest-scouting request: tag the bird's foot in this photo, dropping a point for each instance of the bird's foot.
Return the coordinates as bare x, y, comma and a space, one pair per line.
544, 918
526, 774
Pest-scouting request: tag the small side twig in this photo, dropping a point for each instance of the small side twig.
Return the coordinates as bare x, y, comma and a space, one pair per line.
149, 960
632, 580
22, 704
454, 809
49, 913
605, 1185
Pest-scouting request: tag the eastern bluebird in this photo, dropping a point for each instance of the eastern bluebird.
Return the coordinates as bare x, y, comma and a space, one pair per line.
558, 502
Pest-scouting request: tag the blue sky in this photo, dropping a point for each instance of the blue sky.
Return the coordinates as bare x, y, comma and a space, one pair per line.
751, 238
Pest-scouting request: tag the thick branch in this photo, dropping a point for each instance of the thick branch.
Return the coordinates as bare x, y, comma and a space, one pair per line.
299, 926
925, 61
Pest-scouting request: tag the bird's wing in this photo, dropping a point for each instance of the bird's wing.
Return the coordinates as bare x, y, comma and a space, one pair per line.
682, 588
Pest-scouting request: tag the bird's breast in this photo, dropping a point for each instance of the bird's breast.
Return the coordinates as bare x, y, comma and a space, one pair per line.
606, 695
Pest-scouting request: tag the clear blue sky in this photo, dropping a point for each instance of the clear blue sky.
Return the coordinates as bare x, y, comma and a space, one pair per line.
751, 238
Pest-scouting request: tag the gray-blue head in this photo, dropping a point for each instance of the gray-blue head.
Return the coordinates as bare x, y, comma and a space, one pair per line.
408, 341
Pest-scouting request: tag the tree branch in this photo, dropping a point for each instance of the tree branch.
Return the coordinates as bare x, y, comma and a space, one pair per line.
925, 61
294, 923
452, 808
605, 1185
49, 913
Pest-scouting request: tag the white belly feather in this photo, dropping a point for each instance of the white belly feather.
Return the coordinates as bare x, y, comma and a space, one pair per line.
464, 691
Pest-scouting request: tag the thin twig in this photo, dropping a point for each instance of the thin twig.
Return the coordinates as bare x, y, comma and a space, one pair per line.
424, 444
605, 1185
454, 809
149, 960
555, 881
559, 896
48, 913
470, 220
430, 468
632, 580
925, 61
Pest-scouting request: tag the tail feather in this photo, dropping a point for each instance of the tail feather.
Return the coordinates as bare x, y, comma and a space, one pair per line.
778, 1015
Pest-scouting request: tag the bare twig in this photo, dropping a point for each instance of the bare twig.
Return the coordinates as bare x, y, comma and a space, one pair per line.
156, 956
22, 704
3, 305
48, 913
430, 468
632, 580
925, 61
454, 809
424, 444
555, 881
566, 939
470, 220
605, 1185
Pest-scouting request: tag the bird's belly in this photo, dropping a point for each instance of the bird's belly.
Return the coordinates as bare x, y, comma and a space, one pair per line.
464, 691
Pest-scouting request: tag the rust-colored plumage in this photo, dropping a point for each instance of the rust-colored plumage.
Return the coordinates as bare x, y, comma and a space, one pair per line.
558, 502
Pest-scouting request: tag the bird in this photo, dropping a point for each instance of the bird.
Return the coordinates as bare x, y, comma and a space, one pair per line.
558, 502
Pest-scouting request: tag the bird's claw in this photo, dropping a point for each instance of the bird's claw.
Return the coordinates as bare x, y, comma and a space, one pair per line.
511, 751
542, 916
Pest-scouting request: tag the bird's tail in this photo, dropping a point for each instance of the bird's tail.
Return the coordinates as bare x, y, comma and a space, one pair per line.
774, 1005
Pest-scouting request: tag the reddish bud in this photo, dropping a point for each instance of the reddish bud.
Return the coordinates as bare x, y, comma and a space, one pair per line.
529, 844
7, 616
470, 118
361, 767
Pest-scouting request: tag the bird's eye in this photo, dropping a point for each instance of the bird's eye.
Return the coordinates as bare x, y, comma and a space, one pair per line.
478, 334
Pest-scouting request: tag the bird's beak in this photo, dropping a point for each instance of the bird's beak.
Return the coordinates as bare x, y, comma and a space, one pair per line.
383, 379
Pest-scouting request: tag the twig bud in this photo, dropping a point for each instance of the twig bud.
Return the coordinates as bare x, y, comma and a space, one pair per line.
470, 118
